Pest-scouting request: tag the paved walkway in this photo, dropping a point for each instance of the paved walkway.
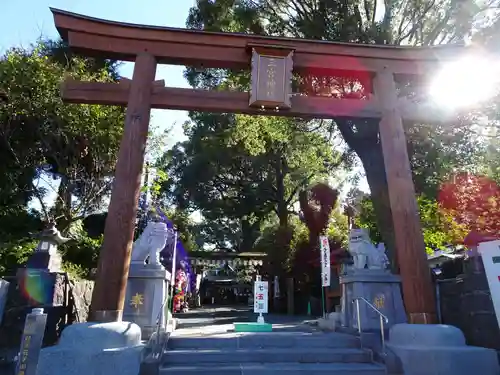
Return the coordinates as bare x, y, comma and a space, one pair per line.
216, 321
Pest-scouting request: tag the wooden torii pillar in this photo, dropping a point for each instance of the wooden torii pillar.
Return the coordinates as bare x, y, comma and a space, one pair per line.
147, 46
114, 260
410, 247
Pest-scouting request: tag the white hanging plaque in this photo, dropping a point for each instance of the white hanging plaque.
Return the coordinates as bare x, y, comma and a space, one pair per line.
325, 260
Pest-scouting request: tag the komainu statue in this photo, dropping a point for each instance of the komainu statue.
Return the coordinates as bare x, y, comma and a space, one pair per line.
150, 243
364, 253
379, 259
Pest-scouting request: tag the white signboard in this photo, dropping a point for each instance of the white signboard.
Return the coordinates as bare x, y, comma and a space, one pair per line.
325, 260
490, 252
260, 297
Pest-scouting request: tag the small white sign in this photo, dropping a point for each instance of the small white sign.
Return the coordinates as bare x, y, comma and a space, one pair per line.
260, 297
325, 261
490, 253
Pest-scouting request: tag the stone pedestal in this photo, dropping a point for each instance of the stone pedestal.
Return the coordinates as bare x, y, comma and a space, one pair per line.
94, 349
417, 349
380, 288
147, 288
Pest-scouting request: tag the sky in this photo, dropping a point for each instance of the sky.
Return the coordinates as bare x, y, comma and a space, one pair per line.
23, 22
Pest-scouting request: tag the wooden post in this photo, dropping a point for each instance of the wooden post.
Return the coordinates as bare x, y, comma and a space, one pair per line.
349, 212
290, 292
418, 292
114, 259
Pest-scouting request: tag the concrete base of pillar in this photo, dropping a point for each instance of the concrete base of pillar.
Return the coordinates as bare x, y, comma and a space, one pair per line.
94, 349
422, 349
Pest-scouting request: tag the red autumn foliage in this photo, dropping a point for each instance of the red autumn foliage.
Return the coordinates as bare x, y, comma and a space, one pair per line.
473, 239
474, 201
316, 219
316, 206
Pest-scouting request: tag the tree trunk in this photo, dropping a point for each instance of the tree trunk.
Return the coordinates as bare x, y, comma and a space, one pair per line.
283, 215
363, 138
282, 207
62, 207
249, 233
373, 163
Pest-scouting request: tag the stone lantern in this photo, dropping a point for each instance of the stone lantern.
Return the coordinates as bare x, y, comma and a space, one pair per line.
46, 255
42, 281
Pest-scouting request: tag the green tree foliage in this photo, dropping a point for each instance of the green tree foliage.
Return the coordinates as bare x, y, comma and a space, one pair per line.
155, 180
81, 253
185, 227
436, 153
439, 226
299, 261
417, 23
44, 141
238, 170
18, 228
42, 137
281, 245
490, 164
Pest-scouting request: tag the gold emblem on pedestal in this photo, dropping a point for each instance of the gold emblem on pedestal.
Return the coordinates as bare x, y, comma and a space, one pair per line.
379, 301
137, 300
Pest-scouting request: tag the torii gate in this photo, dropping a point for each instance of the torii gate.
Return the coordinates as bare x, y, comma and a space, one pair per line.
272, 61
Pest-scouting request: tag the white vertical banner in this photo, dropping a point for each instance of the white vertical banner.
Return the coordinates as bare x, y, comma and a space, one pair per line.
325, 260
490, 252
260, 297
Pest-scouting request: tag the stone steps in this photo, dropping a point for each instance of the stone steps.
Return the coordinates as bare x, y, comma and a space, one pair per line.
266, 340
277, 368
269, 355
290, 353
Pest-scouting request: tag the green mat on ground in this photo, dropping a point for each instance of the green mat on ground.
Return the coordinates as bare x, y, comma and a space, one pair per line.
253, 327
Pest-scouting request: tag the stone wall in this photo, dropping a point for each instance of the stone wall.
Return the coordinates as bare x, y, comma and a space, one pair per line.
80, 297
466, 303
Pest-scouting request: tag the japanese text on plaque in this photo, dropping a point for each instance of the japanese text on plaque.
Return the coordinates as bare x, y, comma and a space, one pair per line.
271, 78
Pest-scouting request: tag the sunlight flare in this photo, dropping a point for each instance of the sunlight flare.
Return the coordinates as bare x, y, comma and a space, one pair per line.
466, 82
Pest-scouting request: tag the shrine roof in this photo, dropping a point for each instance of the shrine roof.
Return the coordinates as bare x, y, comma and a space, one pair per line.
226, 255
103, 36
